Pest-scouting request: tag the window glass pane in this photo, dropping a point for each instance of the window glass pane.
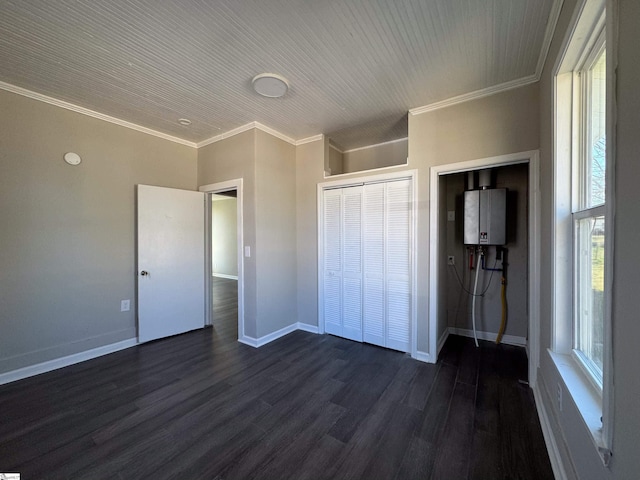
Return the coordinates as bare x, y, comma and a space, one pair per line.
597, 142
590, 233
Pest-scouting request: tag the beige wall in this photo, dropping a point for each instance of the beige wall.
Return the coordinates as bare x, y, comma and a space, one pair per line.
336, 161
267, 166
224, 236
578, 452
472, 130
67, 235
275, 250
229, 159
309, 173
626, 357
379, 156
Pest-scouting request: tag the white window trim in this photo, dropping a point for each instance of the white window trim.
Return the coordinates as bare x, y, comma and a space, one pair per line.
594, 404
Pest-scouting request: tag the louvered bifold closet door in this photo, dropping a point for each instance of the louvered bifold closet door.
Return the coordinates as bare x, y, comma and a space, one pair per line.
332, 241
352, 263
373, 323
398, 264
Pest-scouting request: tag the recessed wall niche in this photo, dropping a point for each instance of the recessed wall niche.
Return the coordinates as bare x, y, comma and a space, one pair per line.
376, 144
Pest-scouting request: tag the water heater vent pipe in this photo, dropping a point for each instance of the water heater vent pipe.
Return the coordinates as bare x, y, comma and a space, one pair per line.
484, 179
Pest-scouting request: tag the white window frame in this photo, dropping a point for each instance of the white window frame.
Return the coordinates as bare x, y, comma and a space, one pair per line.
580, 157
593, 399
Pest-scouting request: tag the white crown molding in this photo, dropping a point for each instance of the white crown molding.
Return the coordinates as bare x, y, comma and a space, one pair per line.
91, 113
405, 139
314, 138
227, 134
331, 145
554, 16
275, 133
485, 92
265, 129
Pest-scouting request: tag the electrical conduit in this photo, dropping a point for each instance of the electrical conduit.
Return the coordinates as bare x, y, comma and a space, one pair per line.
473, 303
503, 296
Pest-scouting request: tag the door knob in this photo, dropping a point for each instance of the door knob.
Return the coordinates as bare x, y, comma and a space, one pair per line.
144, 273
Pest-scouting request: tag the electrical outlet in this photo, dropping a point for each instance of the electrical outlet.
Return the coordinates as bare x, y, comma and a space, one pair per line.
125, 305
451, 260
559, 393
451, 216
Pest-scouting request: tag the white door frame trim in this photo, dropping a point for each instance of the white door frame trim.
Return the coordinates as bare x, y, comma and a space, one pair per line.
532, 158
235, 184
353, 181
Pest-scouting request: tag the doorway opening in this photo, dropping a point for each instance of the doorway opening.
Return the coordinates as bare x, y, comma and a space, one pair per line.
450, 254
224, 264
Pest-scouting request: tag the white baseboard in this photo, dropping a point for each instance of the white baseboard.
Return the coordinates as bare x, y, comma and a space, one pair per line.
308, 328
490, 336
442, 339
258, 342
252, 342
270, 337
423, 357
427, 357
549, 438
224, 275
62, 362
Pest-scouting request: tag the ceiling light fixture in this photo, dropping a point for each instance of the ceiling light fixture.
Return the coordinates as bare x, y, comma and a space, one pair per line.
270, 85
72, 158
185, 122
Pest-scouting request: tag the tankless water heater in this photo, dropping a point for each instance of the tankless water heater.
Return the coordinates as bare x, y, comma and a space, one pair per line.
485, 213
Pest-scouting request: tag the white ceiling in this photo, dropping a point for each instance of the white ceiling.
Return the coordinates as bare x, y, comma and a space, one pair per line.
355, 67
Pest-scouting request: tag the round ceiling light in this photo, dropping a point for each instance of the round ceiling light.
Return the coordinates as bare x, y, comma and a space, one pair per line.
185, 122
72, 158
270, 85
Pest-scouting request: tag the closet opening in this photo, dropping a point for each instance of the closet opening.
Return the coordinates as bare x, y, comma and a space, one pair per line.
366, 260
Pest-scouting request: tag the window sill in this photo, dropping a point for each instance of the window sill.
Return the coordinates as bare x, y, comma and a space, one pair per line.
586, 398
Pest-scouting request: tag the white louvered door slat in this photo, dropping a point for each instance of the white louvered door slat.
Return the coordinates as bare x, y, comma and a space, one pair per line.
352, 263
332, 240
398, 269
373, 264
367, 263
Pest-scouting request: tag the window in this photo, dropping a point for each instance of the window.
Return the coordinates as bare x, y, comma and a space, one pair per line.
588, 212
583, 235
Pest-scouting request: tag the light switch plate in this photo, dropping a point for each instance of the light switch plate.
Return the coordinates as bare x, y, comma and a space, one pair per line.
247, 251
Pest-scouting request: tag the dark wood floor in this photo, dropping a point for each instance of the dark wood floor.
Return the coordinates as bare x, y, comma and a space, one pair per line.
201, 405
224, 306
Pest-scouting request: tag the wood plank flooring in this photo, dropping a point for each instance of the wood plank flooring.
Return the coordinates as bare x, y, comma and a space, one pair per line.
202, 405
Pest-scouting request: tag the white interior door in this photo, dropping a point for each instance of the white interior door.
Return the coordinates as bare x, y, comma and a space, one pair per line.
398, 264
171, 261
352, 263
367, 287
374, 320
333, 261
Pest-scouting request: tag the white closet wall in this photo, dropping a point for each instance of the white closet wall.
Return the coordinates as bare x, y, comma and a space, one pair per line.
367, 263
